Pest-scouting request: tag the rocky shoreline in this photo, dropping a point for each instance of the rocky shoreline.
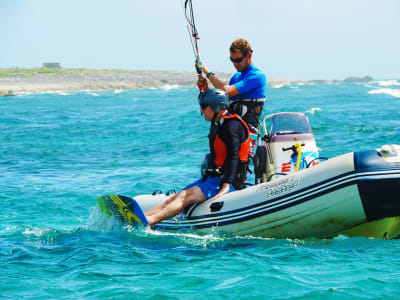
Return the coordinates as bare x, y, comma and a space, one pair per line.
43, 80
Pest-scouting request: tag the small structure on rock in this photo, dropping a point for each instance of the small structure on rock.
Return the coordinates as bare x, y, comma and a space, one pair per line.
52, 65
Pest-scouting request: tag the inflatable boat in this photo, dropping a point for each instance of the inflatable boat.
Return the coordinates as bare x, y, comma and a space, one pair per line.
296, 193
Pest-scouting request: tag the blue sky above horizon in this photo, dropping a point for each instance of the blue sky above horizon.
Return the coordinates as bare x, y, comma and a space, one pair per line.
297, 39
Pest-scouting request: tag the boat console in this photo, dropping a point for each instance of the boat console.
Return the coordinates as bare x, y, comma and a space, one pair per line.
288, 146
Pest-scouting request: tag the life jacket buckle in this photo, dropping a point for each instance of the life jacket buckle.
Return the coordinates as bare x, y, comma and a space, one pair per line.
212, 173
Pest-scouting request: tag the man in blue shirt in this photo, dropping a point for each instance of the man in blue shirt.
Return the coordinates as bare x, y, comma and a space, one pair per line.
247, 87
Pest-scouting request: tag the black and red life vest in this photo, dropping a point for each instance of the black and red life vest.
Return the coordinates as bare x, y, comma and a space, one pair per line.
219, 148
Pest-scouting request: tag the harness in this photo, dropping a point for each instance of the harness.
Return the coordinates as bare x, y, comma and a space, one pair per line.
212, 173
249, 109
256, 100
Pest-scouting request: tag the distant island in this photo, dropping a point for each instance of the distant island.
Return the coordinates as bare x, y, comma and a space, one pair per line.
43, 79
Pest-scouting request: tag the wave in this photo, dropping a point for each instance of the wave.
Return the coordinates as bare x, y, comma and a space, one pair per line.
61, 93
92, 94
168, 87
39, 232
21, 94
278, 86
313, 110
391, 92
290, 85
388, 83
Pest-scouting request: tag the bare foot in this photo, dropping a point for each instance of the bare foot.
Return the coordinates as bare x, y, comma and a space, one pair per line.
150, 221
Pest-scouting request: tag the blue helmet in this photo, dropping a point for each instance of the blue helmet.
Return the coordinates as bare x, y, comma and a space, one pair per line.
215, 98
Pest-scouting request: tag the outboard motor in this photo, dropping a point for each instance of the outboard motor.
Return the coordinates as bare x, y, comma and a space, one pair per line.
289, 146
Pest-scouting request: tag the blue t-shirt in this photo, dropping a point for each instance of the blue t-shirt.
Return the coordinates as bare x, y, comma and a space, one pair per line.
251, 83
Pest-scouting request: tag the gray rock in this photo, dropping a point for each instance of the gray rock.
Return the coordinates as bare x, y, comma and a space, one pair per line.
354, 79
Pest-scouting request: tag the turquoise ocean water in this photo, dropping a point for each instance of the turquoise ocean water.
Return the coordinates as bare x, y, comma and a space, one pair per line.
59, 151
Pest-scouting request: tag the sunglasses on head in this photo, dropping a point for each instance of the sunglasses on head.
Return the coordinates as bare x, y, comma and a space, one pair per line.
203, 106
237, 60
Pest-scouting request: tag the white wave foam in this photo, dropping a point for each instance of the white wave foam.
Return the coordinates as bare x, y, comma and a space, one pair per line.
62, 93
289, 84
388, 83
391, 92
278, 86
367, 85
99, 222
194, 239
19, 94
9, 229
35, 231
93, 94
168, 87
313, 110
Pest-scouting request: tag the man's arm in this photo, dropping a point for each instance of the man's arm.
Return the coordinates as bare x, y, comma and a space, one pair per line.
219, 84
222, 191
232, 136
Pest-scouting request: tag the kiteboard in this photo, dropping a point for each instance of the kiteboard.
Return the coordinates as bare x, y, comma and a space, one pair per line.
125, 209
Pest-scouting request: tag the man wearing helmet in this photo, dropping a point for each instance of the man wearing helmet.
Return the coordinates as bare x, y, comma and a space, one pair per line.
247, 87
229, 141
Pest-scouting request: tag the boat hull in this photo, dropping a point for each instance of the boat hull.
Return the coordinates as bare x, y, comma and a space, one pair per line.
336, 197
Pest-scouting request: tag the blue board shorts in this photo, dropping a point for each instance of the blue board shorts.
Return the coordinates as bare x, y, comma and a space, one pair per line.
210, 187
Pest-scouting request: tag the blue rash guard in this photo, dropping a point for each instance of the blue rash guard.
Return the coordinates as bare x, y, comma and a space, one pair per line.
251, 83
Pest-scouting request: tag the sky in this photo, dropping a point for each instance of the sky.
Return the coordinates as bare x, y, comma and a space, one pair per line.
295, 39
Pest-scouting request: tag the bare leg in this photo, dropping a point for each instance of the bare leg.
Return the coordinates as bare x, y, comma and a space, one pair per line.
158, 208
174, 205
